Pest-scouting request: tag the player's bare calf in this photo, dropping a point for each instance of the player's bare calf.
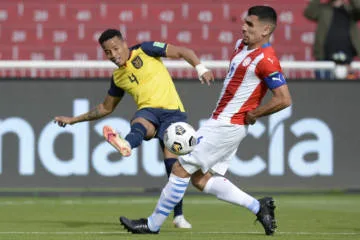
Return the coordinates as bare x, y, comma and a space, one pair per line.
117, 141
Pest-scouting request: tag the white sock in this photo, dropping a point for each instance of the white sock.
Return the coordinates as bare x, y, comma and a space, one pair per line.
224, 190
171, 194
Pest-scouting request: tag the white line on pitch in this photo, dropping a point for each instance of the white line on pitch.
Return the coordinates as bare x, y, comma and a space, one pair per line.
176, 232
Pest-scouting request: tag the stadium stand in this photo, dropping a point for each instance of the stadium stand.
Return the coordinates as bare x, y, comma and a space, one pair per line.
68, 30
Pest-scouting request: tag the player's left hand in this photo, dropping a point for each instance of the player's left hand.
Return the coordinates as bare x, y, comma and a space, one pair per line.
250, 118
207, 77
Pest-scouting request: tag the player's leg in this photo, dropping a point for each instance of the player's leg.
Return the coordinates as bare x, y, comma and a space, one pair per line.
217, 147
179, 220
225, 190
142, 127
171, 194
167, 118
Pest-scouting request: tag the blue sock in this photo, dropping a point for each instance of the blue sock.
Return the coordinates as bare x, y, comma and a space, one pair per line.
136, 135
169, 162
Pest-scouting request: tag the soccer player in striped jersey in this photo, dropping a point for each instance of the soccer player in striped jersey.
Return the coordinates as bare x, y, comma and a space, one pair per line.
254, 68
142, 74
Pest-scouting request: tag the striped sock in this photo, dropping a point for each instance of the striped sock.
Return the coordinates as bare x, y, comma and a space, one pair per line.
169, 162
171, 194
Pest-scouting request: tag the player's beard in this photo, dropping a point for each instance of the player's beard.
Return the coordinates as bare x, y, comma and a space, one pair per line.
245, 41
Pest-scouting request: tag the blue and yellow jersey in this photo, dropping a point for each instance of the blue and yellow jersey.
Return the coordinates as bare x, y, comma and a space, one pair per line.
146, 79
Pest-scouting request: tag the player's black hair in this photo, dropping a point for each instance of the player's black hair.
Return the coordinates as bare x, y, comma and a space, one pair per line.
108, 34
264, 13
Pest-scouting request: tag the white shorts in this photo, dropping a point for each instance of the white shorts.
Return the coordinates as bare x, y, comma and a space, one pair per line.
218, 143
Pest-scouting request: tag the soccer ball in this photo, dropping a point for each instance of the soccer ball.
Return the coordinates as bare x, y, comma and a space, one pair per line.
180, 138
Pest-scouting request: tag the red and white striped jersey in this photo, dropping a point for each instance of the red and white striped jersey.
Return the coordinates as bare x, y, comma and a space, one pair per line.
244, 85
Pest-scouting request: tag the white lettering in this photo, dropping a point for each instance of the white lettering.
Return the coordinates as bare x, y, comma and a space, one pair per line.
101, 157
277, 141
25, 133
323, 146
79, 164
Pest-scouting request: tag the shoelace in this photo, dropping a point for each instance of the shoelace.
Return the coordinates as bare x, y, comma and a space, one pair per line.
141, 225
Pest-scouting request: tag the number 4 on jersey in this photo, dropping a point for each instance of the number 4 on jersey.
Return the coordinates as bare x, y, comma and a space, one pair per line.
133, 78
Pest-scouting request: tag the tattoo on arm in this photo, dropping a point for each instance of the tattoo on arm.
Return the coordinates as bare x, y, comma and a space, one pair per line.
93, 114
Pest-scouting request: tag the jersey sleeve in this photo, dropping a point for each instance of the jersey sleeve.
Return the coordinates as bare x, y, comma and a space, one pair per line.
115, 91
154, 49
269, 70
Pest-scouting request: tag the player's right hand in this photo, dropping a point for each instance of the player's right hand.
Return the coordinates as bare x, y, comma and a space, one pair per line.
250, 118
62, 121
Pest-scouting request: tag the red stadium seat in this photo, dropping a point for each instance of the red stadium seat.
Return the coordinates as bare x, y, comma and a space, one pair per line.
73, 27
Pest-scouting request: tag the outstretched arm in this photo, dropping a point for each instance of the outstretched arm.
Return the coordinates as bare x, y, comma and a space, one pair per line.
101, 110
205, 75
281, 99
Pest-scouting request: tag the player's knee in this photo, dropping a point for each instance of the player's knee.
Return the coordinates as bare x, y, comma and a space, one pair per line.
199, 180
150, 128
179, 171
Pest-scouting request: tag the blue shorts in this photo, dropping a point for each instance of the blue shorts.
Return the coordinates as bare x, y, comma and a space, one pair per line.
161, 118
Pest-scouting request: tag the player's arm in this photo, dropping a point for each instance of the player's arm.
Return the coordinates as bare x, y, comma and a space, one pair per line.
178, 52
280, 99
109, 104
311, 12
159, 49
100, 111
269, 71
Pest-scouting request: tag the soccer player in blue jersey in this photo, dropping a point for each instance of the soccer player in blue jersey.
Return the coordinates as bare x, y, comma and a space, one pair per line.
142, 74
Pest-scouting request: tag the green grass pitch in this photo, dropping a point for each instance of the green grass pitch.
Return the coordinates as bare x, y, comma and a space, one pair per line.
301, 216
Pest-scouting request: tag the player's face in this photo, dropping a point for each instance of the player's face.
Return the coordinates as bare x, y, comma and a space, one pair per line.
116, 50
253, 31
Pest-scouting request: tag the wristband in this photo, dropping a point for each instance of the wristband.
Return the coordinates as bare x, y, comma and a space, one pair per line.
201, 69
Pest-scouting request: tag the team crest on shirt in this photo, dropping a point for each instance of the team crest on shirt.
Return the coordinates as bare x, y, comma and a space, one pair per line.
246, 61
137, 62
